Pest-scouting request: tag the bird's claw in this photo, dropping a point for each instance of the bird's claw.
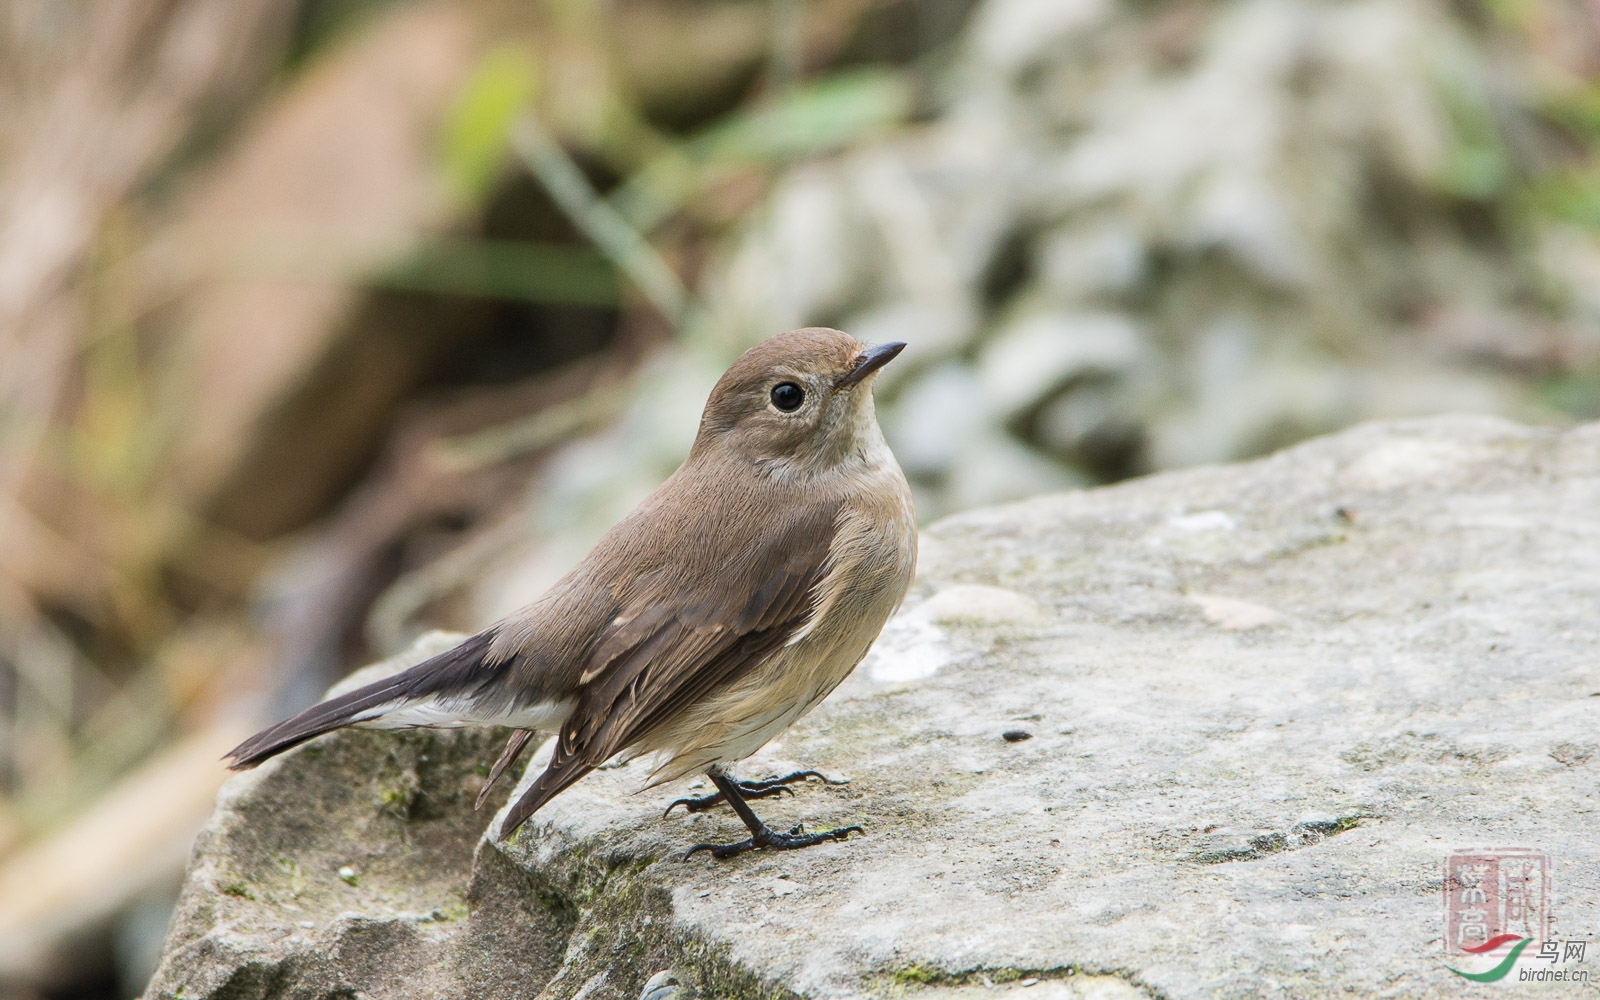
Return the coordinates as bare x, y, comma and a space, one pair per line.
704, 803
768, 840
767, 787
789, 779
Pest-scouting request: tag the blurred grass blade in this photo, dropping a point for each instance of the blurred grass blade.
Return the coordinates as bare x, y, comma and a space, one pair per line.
611, 234
1571, 194
505, 269
475, 138
1478, 166
809, 120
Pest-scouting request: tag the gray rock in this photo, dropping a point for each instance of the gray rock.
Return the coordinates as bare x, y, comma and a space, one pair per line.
1096, 259
932, 333
1010, 35
812, 254
1041, 352
937, 416
994, 467
1091, 426
1261, 703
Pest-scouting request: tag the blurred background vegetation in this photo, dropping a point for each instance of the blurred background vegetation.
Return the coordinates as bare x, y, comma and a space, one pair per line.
329, 321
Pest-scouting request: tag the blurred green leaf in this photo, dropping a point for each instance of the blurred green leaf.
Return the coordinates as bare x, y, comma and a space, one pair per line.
808, 120
1477, 173
1478, 166
1570, 195
476, 135
811, 119
504, 269
1577, 111
1519, 15
1576, 394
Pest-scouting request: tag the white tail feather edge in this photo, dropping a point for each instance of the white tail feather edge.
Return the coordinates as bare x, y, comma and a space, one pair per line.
435, 712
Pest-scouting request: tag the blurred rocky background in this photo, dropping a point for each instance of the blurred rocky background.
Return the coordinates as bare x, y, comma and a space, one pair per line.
327, 322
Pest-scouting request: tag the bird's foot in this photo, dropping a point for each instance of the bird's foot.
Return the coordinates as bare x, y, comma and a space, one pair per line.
750, 790
793, 777
766, 839
763, 789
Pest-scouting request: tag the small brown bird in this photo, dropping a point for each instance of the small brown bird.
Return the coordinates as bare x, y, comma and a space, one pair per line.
724, 607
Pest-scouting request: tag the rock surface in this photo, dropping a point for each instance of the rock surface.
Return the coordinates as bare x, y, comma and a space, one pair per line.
1261, 704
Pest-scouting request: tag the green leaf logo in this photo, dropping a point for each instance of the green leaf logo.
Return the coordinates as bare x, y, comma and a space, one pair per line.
1498, 972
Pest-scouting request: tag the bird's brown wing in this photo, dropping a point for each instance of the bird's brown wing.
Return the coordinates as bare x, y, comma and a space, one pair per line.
676, 641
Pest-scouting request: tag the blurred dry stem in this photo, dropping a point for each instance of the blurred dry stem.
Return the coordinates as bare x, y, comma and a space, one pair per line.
97, 98
535, 432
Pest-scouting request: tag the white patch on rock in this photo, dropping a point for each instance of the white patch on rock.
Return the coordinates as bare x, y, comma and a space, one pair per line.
1232, 614
914, 645
972, 603
1400, 461
909, 648
1204, 520
1202, 536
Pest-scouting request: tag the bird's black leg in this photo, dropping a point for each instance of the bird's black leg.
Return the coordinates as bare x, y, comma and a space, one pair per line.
763, 789
761, 836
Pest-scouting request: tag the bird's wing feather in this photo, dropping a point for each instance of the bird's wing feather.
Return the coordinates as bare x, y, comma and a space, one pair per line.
661, 655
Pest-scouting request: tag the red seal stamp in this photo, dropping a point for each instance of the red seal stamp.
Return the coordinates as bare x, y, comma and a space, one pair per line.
1495, 893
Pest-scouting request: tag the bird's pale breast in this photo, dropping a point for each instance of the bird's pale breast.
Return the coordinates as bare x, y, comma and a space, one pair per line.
872, 558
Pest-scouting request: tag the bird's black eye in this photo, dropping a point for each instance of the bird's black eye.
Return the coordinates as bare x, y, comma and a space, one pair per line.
787, 396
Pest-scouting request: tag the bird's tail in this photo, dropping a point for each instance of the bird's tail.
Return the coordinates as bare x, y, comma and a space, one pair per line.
369, 704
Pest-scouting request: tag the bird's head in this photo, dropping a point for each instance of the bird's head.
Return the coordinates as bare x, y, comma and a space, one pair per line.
797, 404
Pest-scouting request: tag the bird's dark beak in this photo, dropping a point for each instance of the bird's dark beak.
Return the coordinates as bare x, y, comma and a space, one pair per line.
869, 361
